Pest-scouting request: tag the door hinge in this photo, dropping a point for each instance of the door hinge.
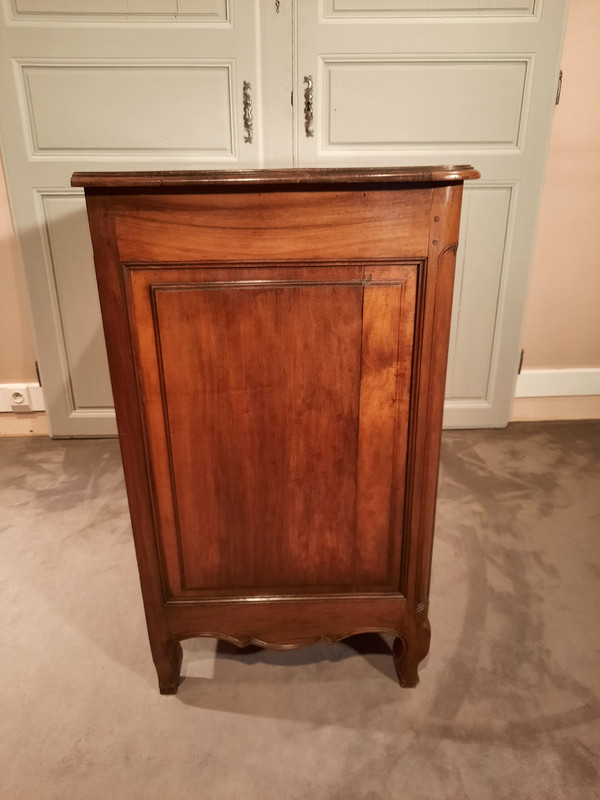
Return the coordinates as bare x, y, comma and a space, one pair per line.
521, 361
559, 87
292, 97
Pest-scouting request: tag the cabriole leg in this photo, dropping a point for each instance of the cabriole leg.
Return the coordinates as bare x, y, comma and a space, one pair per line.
167, 657
409, 651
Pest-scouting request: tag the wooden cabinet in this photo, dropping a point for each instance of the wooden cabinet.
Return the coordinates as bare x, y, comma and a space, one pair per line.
277, 343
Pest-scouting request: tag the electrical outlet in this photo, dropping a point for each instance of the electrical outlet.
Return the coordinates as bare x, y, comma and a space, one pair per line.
21, 398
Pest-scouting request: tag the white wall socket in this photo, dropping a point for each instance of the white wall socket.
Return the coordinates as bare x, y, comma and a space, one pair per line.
21, 397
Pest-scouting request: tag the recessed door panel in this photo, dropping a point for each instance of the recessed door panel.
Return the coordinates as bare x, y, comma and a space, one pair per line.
480, 270
70, 271
403, 8
285, 394
271, 447
129, 108
121, 10
420, 104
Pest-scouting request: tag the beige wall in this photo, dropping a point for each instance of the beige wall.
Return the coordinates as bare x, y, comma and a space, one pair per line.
17, 351
562, 318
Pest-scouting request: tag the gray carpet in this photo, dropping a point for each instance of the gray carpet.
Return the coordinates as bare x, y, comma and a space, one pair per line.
509, 700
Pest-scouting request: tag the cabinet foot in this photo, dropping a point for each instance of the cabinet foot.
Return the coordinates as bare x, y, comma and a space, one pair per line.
409, 651
167, 659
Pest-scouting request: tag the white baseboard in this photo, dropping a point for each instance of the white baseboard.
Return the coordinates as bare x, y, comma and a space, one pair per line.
558, 382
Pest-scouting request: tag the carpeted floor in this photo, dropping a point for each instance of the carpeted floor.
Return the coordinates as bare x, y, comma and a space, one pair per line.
509, 702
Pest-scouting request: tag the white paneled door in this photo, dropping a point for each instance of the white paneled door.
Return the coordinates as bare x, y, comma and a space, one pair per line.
186, 84
406, 82
122, 85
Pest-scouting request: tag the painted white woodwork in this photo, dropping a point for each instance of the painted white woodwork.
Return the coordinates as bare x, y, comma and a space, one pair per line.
558, 382
131, 120
275, 47
484, 222
78, 11
402, 102
70, 272
122, 85
456, 82
157, 84
405, 8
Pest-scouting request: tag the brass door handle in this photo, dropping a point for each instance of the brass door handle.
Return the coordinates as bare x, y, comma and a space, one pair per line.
308, 107
248, 120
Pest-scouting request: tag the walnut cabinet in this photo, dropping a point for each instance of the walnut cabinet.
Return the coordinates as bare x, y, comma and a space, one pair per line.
277, 342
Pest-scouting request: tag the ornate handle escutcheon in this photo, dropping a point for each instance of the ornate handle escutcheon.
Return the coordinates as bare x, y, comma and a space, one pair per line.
308, 107
248, 121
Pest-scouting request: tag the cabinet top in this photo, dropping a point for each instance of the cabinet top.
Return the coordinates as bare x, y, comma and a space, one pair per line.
274, 177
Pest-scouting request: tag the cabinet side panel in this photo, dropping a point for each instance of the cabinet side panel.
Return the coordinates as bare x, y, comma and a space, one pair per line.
429, 392
131, 430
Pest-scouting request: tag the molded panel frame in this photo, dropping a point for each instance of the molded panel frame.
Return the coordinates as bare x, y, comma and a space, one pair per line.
158, 277
24, 68
480, 10
115, 16
326, 69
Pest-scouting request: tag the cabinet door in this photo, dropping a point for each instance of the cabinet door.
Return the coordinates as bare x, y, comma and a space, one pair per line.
116, 85
276, 402
399, 82
158, 84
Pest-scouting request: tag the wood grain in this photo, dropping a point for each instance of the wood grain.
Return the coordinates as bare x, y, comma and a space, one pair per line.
388, 332
264, 468
256, 226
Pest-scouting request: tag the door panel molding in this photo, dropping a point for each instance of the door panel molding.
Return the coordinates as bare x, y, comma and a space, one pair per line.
208, 12
376, 102
142, 109
432, 9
